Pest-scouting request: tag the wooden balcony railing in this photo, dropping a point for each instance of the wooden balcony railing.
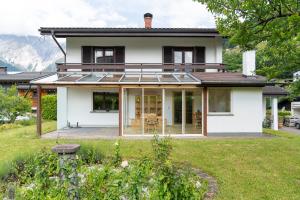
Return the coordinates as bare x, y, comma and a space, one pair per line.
61, 67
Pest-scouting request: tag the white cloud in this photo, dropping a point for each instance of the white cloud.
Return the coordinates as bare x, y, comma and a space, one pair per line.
24, 17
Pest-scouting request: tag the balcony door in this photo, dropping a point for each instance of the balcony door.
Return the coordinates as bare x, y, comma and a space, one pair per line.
183, 56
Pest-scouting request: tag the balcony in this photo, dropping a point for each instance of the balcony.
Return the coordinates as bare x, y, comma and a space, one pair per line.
96, 67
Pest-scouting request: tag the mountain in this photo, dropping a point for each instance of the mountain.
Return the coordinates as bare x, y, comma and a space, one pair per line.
28, 53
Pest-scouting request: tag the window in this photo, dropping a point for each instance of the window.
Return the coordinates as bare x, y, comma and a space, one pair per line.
219, 100
105, 101
99, 54
182, 55
178, 57
104, 55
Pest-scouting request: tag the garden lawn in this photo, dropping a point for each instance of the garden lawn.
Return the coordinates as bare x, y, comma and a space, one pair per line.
257, 168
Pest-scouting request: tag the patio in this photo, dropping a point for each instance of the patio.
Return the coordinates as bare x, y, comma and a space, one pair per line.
104, 133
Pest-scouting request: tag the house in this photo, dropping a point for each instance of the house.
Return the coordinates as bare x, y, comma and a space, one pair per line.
22, 81
153, 80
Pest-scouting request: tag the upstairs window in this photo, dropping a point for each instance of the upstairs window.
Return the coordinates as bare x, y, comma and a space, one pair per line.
104, 55
181, 55
105, 101
219, 100
96, 54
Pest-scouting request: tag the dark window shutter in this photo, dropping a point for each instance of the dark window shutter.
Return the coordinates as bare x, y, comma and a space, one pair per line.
167, 55
199, 53
120, 54
87, 54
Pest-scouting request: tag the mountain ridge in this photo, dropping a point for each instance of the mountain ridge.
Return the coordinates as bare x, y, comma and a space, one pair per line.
28, 53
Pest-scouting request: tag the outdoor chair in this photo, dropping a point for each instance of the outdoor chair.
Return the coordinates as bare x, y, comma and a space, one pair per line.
151, 122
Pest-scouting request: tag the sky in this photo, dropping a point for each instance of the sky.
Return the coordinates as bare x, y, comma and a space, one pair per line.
24, 17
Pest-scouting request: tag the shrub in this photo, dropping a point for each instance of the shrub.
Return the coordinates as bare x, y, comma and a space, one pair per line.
12, 105
27, 122
155, 177
49, 107
284, 113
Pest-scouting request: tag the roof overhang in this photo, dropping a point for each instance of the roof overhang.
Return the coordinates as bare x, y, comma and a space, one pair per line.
129, 32
150, 78
118, 78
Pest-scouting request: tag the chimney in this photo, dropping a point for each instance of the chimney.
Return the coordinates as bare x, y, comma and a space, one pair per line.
148, 20
249, 63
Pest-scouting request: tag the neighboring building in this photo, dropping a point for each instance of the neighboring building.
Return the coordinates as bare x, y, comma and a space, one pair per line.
296, 76
145, 80
22, 81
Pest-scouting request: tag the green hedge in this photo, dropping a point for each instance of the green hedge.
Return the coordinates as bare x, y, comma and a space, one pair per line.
49, 107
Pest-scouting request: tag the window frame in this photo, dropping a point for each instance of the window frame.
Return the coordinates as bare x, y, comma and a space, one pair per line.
105, 94
104, 49
88, 53
230, 113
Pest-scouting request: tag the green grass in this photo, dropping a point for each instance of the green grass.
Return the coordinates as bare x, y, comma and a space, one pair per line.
257, 168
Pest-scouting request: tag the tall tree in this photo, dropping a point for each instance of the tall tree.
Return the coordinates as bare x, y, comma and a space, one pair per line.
250, 22
271, 26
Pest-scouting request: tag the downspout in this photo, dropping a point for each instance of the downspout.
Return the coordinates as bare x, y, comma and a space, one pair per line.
60, 47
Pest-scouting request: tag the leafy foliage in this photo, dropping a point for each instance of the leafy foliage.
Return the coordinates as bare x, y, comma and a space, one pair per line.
251, 22
271, 27
233, 59
49, 105
154, 177
294, 89
12, 105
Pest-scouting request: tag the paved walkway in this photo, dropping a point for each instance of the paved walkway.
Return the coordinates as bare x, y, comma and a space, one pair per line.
113, 133
291, 129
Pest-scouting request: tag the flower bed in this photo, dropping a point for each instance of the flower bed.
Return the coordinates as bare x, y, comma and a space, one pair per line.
153, 177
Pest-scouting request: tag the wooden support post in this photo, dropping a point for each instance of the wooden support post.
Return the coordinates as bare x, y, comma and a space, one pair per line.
183, 112
163, 111
143, 111
120, 111
205, 108
39, 111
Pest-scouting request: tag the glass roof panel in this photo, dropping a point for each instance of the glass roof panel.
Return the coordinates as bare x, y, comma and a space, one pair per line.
91, 77
149, 78
167, 78
131, 78
111, 78
184, 78
71, 78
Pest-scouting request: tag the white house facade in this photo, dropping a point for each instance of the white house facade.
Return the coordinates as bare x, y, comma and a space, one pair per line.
152, 80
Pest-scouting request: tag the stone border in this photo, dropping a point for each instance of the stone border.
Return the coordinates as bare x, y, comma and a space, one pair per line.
212, 184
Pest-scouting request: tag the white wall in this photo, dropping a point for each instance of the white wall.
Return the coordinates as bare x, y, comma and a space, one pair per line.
143, 49
246, 113
295, 108
80, 109
62, 93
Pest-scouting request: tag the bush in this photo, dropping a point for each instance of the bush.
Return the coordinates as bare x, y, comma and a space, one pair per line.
284, 113
155, 177
49, 107
12, 105
27, 122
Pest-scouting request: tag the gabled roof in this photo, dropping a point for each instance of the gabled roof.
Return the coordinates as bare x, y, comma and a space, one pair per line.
23, 76
62, 32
